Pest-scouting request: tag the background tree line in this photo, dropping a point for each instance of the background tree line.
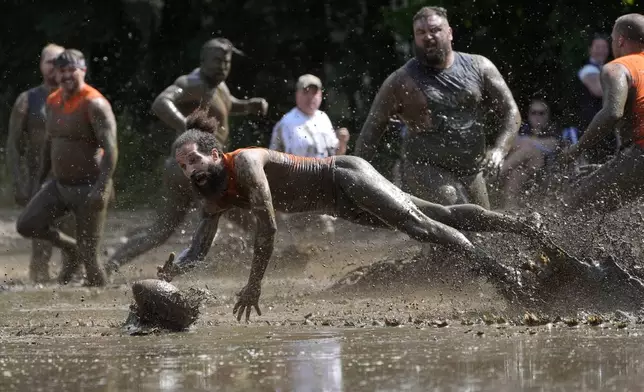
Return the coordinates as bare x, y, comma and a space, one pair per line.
136, 48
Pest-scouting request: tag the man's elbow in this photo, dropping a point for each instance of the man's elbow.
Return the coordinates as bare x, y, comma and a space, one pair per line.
158, 104
613, 115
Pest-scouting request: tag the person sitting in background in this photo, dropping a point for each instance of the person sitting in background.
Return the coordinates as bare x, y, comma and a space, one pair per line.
307, 131
590, 99
535, 145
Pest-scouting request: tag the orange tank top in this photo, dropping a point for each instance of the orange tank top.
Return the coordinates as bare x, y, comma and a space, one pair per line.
229, 164
635, 65
75, 102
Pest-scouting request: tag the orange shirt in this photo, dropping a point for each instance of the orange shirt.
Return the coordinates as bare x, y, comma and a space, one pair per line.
635, 65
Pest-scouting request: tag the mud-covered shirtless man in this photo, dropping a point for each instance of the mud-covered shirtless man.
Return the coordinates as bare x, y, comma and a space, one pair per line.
621, 180
206, 86
264, 181
81, 152
444, 98
25, 143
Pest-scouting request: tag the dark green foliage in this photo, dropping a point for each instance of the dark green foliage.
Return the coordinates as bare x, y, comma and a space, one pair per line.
136, 48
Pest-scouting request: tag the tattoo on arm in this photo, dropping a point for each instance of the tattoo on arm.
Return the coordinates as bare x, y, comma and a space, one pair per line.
104, 124
500, 98
17, 123
615, 85
384, 105
201, 240
254, 180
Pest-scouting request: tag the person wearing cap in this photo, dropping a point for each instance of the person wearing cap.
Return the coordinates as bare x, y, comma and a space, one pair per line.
81, 152
204, 86
307, 131
24, 144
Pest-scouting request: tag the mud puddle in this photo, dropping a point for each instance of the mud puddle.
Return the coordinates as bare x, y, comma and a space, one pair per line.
455, 358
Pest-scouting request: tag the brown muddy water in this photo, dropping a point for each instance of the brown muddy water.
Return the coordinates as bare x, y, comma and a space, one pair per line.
429, 333
381, 359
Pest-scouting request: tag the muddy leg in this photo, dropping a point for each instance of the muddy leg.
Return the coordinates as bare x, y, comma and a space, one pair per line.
41, 252
37, 219
67, 224
172, 210
471, 217
366, 196
89, 229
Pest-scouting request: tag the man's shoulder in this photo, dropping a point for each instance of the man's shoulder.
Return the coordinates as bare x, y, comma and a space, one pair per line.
190, 80
291, 118
55, 97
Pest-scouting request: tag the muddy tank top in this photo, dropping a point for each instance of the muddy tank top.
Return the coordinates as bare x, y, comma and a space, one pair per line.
635, 65
456, 139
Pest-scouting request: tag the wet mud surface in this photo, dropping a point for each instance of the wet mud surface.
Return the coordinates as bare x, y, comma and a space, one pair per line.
361, 309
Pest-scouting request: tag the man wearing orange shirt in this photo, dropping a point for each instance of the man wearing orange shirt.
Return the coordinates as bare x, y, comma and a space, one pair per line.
80, 151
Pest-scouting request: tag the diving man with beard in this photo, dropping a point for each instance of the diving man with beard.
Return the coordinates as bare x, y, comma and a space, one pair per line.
206, 86
443, 97
347, 187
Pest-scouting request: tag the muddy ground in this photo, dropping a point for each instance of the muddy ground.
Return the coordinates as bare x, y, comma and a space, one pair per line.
357, 277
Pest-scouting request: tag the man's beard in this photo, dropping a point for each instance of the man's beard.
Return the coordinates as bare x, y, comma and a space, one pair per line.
212, 80
215, 184
435, 59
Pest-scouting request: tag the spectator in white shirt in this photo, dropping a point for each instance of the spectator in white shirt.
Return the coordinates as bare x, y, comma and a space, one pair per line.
307, 131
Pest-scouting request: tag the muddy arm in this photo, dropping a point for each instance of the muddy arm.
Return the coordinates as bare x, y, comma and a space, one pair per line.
615, 84
254, 179
201, 240
17, 123
245, 106
384, 106
165, 105
45, 156
104, 123
500, 99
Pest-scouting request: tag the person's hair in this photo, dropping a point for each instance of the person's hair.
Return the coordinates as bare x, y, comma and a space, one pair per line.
426, 12
70, 56
541, 101
631, 26
601, 36
220, 43
201, 130
51, 47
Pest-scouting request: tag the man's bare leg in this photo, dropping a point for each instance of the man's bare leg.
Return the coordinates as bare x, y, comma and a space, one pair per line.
366, 197
41, 252
37, 219
90, 224
471, 217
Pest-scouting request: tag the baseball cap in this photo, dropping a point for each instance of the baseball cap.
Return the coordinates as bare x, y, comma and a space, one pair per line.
308, 80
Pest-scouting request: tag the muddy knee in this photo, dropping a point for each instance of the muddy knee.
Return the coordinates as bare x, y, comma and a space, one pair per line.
28, 227
425, 230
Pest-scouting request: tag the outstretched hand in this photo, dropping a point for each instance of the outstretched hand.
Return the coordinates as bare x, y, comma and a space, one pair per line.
248, 299
168, 270
493, 162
